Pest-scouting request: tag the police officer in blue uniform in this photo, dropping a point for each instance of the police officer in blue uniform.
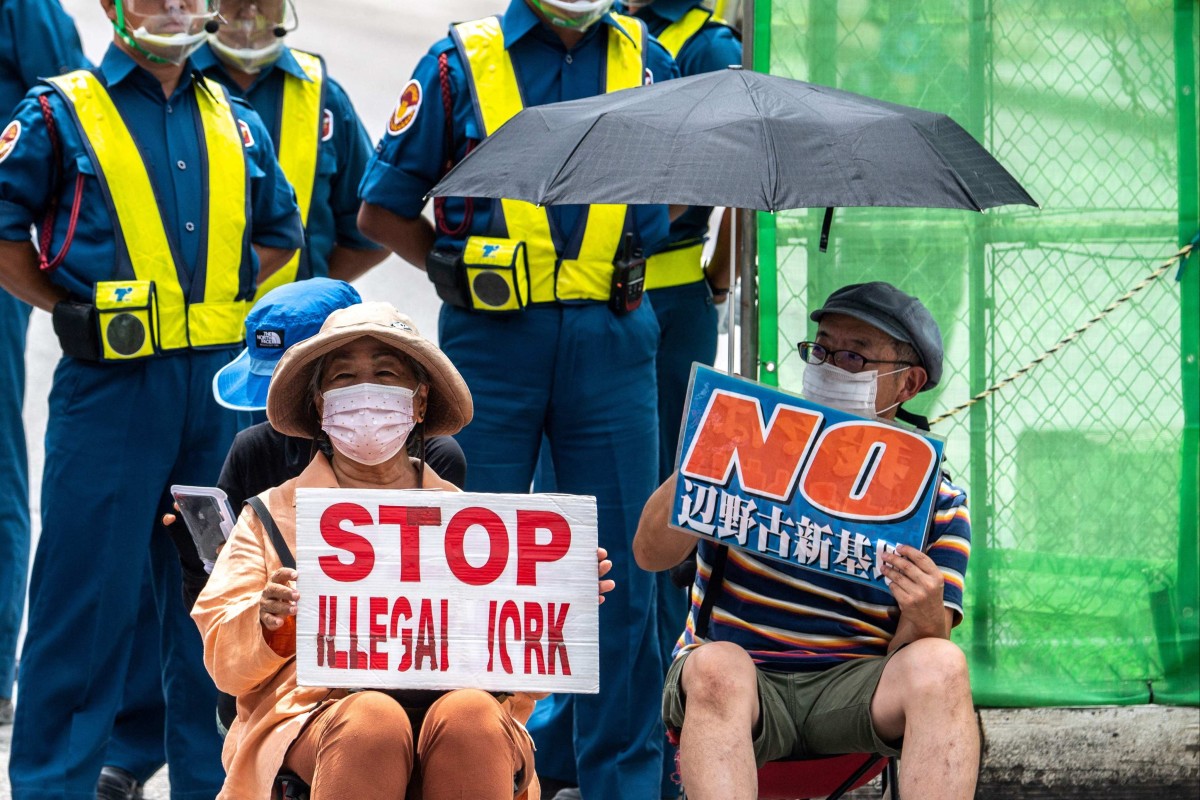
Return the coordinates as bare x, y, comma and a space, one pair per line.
323, 149
682, 292
37, 38
683, 298
159, 204
535, 322
319, 139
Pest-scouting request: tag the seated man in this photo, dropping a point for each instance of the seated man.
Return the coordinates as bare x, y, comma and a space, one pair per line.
785, 662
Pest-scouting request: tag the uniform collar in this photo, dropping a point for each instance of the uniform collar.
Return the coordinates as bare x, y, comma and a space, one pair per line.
670, 10
118, 65
520, 19
206, 61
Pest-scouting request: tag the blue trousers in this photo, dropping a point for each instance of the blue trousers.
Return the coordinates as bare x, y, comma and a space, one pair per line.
137, 744
687, 324
14, 484
119, 435
585, 378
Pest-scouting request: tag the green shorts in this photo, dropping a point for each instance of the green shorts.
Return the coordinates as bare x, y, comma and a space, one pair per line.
804, 714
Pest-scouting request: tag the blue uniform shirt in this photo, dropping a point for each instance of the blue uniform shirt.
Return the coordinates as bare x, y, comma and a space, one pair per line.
166, 131
714, 48
406, 166
341, 159
37, 40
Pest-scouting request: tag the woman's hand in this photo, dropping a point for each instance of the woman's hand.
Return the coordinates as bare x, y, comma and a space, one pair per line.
603, 565
279, 598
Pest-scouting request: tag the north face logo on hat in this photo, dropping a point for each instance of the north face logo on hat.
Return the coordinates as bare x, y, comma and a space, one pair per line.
269, 339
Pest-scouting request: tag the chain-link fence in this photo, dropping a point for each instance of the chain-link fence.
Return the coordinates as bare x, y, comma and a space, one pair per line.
1083, 473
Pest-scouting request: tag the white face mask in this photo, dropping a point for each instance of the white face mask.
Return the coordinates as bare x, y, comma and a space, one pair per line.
579, 14
368, 422
852, 392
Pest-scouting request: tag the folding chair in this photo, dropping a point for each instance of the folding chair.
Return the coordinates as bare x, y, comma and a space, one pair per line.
829, 777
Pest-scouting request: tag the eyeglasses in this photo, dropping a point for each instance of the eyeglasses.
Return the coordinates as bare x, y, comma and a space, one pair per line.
813, 353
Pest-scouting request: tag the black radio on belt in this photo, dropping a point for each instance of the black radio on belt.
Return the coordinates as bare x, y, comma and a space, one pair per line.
629, 279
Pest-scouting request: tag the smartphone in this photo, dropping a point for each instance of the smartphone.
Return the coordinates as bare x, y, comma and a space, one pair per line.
209, 519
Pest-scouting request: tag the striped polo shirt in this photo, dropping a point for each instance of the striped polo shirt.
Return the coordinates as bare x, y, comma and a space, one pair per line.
793, 619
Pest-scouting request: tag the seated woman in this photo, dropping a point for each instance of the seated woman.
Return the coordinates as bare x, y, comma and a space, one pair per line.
367, 382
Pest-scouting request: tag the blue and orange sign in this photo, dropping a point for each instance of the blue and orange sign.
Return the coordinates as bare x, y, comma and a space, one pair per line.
406, 109
781, 477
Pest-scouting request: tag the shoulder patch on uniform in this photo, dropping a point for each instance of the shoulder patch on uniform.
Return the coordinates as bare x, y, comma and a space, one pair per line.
406, 109
8, 139
326, 125
247, 136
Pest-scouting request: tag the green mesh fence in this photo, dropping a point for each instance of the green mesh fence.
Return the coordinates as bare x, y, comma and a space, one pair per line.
1082, 474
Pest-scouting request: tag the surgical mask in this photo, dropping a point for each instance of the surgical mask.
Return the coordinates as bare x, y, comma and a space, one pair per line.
246, 59
578, 15
852, 392
170, 32
251, 34
368, 422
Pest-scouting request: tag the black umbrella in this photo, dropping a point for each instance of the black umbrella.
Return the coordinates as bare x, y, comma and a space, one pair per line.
735, 138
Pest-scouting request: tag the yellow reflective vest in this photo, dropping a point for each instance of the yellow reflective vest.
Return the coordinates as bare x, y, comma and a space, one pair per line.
146, 295
682, 264
496, 94
298, 146
681, 31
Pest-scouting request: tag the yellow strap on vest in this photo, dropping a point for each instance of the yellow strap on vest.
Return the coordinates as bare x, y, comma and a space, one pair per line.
589, 276
498, 99
680, 32
675, 267
218, 318
298, 146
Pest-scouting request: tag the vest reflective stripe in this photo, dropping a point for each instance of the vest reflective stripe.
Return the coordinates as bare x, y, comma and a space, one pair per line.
497, 97
298, 146
216, 317
680, 32
680, 266
675, 267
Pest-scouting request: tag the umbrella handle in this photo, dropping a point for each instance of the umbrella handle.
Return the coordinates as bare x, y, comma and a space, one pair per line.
825, 229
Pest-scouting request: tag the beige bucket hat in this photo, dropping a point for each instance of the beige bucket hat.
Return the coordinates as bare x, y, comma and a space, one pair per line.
289, 406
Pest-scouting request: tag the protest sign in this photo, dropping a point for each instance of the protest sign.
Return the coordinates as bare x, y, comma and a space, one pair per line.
781, 477
444, 590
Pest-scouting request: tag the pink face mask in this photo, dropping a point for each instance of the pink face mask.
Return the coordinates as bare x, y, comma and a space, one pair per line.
368, 422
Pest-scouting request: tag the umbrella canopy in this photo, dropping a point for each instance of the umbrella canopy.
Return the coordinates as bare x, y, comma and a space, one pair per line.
734, 138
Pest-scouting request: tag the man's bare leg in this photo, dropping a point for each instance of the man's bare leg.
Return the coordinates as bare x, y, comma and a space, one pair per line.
924, 695
716, 752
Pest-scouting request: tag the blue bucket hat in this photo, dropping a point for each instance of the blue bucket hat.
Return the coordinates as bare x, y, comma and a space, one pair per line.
283, 317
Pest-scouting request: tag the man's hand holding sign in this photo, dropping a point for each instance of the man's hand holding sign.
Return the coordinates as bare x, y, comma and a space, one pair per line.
830, 551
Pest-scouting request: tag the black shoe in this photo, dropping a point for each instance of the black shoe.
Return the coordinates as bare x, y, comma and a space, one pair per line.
115, 783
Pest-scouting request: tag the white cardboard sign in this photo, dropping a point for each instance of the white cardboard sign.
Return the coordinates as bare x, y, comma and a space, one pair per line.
445, 590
